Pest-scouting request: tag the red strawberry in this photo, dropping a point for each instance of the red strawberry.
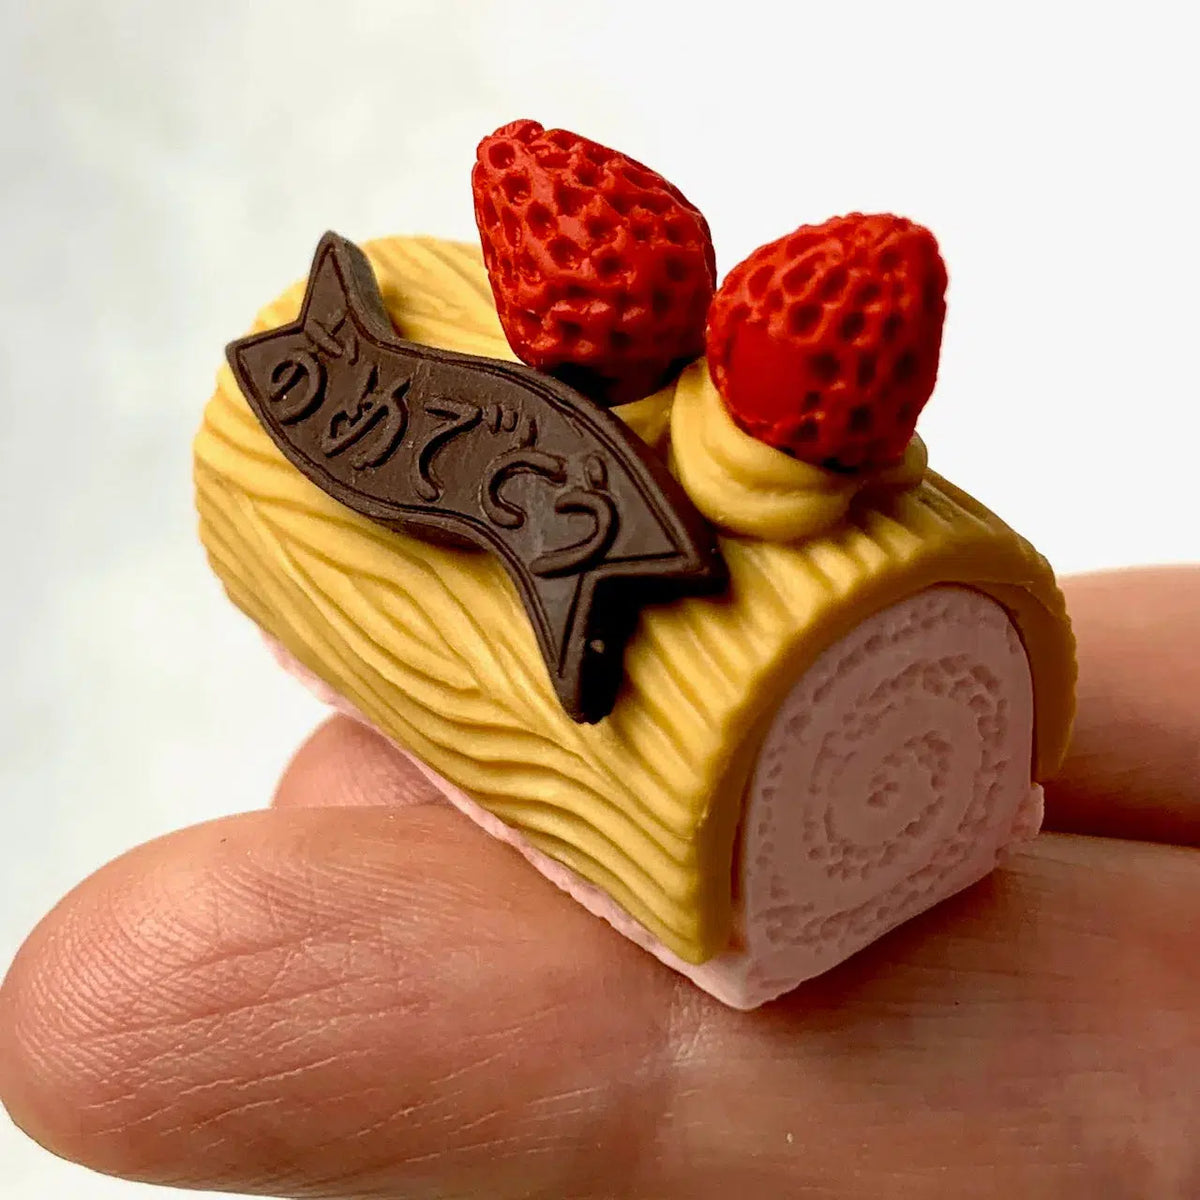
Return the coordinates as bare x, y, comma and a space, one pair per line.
602, 271
825, 343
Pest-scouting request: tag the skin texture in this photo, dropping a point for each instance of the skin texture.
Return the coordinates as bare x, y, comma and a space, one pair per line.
358, 994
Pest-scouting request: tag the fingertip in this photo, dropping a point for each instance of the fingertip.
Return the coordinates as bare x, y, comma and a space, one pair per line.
71, 995
264, 1002
345, 764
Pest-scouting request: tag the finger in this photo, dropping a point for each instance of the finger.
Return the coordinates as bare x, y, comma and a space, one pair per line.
1133, 769
377, 1003
343, 764
344, 993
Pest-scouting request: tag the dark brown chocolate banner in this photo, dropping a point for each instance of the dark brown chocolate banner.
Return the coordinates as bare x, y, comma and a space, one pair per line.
478, 452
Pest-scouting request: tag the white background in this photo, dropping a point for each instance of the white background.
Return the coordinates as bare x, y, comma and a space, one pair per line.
168, 166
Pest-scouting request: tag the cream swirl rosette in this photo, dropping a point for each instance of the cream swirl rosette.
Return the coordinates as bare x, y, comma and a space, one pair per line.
747, 487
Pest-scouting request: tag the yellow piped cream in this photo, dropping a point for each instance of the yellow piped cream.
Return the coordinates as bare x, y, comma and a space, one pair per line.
747, 487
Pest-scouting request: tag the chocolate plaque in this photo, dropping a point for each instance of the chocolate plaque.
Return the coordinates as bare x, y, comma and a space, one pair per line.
477, 452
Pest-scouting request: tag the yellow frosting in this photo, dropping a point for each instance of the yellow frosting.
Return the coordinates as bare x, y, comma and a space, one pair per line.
745, 486
433, 645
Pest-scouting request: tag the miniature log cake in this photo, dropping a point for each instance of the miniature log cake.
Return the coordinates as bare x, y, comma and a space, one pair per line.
651, 578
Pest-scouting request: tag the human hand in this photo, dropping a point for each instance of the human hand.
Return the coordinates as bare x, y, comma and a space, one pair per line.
358, 994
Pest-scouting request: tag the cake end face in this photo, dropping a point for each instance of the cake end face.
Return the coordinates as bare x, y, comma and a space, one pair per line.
895, 773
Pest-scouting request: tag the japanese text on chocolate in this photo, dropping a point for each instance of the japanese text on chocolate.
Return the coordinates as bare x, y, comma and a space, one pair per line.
477, 452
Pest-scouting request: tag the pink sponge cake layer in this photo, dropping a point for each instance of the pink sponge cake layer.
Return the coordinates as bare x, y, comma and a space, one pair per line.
895, 773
